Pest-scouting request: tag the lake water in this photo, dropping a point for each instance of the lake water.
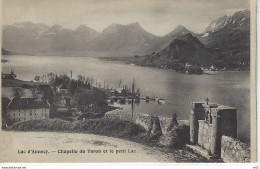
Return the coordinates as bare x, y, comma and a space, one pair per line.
228, 88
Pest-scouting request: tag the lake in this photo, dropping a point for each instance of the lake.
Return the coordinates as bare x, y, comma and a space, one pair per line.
224, 87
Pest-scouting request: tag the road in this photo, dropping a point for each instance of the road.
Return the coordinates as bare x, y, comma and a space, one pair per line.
73, 147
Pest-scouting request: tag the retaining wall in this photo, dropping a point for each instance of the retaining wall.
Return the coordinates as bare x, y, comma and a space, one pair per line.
233, 150
118, 114
145, 121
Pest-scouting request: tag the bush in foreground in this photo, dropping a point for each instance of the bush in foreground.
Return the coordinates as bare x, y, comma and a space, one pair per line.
177, 137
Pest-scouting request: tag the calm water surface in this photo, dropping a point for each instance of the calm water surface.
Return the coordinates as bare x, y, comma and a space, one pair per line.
228, 88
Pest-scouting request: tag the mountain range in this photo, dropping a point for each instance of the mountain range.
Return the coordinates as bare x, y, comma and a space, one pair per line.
225, 40
230, 36
225, 43
123, 40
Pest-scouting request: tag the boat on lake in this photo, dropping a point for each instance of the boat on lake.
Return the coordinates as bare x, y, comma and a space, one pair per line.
159, 100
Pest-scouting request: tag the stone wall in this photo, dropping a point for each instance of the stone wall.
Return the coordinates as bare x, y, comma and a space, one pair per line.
145, 120
164, 122
118, 114
204, 135
233, 150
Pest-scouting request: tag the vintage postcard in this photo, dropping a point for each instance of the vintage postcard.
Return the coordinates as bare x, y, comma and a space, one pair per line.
163, 81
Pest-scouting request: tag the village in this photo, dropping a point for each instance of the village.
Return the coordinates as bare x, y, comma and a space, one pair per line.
61, 96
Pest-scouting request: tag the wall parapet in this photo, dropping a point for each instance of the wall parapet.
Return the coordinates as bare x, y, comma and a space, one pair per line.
145, 121
233, 150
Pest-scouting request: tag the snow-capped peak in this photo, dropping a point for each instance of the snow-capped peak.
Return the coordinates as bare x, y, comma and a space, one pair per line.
230, 22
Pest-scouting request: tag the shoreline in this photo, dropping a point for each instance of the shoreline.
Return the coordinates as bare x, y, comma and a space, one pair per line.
106, 59
125, 63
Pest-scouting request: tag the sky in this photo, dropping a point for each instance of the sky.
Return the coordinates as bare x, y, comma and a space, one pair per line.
158, 17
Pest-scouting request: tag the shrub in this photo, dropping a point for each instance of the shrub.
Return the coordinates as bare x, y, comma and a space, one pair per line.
177, 137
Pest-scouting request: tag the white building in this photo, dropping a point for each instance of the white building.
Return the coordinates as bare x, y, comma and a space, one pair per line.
23, 109
188, 65
62, 88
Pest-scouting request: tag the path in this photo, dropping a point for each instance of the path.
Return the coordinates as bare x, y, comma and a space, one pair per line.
95, 147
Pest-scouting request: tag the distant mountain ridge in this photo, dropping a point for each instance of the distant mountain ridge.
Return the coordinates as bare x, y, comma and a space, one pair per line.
123, 40
33, 39
162, 42
228, 36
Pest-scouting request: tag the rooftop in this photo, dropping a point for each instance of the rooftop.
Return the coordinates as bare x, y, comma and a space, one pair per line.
27, 103
62, 86
43, 87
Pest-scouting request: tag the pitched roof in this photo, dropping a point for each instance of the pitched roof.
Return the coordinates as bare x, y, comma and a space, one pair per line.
27, 103
43, 87
62, 86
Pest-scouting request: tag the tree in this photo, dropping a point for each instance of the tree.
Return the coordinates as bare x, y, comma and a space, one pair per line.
99, 96
119, 84
87, 98
37, 78
61, 79
45, 96
138, 92
87, 86
124, 92
173, 122
99, 85
72, 86
83, 100
48, 96
18, 92
5, 102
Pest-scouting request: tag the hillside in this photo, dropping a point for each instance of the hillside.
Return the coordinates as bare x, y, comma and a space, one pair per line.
164, 41
183, 49
6, 52
230, 36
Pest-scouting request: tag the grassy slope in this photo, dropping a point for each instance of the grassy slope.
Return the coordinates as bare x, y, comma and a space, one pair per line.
108, 127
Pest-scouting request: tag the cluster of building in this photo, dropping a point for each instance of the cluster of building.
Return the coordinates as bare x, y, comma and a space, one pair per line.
23, 109
11, 75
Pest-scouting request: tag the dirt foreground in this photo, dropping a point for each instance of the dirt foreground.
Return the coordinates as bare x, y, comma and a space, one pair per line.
73, 147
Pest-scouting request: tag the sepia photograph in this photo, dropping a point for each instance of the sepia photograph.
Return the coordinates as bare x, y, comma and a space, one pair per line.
98, 81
